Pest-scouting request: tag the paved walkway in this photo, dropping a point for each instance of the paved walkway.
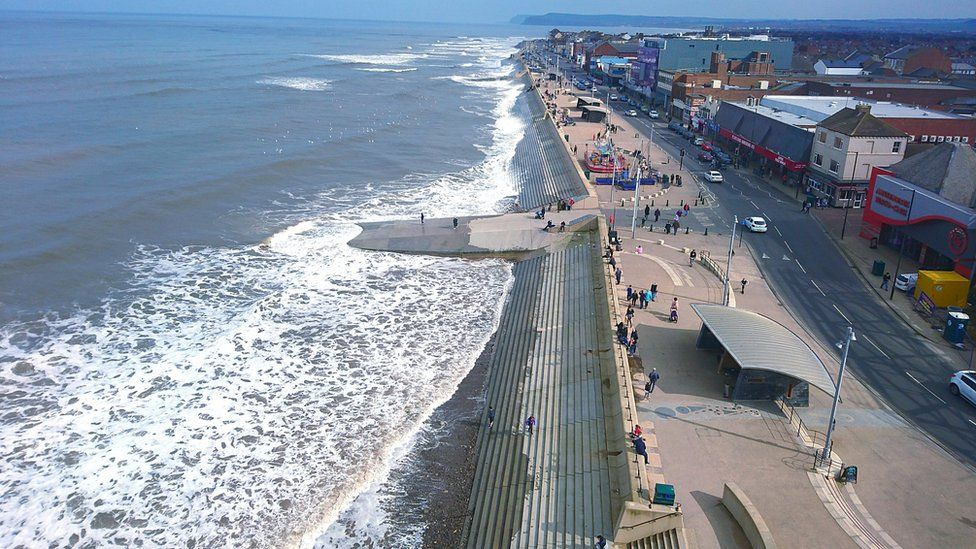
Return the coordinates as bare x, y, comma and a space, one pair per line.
703, 439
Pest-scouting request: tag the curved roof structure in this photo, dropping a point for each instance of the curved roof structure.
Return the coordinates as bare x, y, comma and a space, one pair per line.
760, 343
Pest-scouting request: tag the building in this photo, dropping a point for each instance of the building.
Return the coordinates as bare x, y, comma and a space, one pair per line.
924, 126
924, 206
612, 69
961, 68
930, 95
694, 53
908, 59
776, 144
847, 146
838, 67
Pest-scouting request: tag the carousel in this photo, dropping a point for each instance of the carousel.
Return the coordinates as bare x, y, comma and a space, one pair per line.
602, 160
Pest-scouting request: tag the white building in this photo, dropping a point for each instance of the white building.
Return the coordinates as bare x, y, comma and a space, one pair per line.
838, 67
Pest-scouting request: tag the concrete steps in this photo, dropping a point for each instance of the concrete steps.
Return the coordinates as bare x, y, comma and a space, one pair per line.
671, 539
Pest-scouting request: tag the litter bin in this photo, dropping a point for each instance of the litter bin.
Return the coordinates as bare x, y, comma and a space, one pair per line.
586, 173
663, 494
955, 328
878, 268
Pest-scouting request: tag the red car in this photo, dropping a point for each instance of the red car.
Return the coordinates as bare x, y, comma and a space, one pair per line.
704, 156
706, 146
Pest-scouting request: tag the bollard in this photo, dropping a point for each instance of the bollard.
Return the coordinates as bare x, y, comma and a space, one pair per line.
687, 229
696, 202
706, 231
650, 229
652, 202
699, 195
682, 202
667, 203
703, 201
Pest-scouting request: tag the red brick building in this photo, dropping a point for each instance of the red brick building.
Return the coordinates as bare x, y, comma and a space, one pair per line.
933, 96
909, 59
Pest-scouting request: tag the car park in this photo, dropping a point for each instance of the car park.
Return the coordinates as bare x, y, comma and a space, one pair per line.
906, 281
963, 383
755, 224
714, 176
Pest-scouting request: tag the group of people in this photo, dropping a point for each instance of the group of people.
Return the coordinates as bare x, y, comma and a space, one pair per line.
640, 298
820, 203
622, 335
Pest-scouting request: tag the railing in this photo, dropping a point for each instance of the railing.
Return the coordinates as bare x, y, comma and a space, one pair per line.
816, 438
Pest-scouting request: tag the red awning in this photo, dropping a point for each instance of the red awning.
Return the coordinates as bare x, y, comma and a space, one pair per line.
789, 163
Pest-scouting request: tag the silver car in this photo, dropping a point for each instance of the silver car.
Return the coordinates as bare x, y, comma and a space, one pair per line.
963, 383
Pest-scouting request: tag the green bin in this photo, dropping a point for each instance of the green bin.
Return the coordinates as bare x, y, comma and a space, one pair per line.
663, 494
878, 268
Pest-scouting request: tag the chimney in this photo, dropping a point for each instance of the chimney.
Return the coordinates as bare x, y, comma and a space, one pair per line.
718, 65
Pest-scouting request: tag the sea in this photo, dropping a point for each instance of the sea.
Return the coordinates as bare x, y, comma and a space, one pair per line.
190, 353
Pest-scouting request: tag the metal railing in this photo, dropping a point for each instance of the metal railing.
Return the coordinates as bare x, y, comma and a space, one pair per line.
817, 439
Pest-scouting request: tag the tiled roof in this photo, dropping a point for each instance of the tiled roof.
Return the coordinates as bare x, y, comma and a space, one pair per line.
859, 123
946, 168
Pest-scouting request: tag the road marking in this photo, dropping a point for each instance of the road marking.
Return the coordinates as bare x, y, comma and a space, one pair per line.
788, 247
777, 231
754, 204
817, 287
876, 347
786, 257
672, 274
842, 314
800, 266
766, 215
924, 387
973, 422
764, 256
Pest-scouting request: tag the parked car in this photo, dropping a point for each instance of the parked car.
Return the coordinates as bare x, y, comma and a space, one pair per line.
594, 90
906, 281
963, 383
632, 103
653, 114
674, 126
755, 224
705, 157
698, 141
713, 177
632, 112
613, 97
706, 146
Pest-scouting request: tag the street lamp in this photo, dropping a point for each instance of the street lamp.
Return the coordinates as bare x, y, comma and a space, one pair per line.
613, 183
901, 249
728, 268
633, 222
681, 161
845, 347
847, 205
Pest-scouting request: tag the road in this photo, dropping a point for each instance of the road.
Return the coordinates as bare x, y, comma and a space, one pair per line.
810, 275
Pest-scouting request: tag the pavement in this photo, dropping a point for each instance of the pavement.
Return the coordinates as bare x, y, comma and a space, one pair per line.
913, 491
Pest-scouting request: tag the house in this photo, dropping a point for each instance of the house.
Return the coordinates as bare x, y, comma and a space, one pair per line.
840, 67
961, 68
908, 59
848, 144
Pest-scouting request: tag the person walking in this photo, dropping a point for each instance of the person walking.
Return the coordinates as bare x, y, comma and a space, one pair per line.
653, 292
642, 299
667, 228
630, 292
640, 448
657, 214
647, 210
601, 543
691, 258
530, 424
491, 417
618, 273
630, 316
613, 262
421, 218
652, 380
744, 282
885, 280
648, 389
455, 223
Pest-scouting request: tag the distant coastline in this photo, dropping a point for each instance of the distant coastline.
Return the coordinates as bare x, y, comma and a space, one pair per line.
963, 26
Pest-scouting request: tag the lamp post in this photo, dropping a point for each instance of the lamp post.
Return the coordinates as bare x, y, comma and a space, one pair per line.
613, 184
681, 160
847, 204
901, 249
845, 348
633, 222
728, 268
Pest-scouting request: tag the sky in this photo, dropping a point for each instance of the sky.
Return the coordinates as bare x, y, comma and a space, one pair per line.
500, 11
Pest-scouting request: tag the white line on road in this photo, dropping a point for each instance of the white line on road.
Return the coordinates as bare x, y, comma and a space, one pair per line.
875, 346
817, 287
777, 231
766, 215
754, 204
843, 315
800, 266
788, 247
924, 387
973, 422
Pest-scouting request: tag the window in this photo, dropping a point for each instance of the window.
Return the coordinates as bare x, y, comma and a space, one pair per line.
818, 159
838, 143
965, 139
955, 138
833, 166
822, 137
924, 139
941, 138
896, 147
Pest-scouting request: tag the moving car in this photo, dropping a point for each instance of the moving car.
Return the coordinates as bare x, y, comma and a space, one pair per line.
713, 177
632, 112
613, 97
653, 114
963, 383
594, 90
674, 126
755, 224
704, 157
706, 146
906, 281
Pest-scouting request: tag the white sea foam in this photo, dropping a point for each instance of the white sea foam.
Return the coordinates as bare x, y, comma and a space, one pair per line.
373, 59
385, 69
298, 83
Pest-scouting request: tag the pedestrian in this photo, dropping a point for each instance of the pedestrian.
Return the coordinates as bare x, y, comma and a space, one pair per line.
744, 282
571, 203
657, 215
686, 208
601, 543
630, 316
421, 218
530, 424
633, 300
618, 273
643, 221
640, 250
647, 210
491, 417
613, 262
641, 449
455, 222
653, 292
691, 258
884, 281
633, 335
630, 291
667, 228
632, 348
652, 378
642, 297
648, 389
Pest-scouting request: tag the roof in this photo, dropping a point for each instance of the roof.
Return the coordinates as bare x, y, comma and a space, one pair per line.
821, 107
946, 169
859, 122
626, 47
903, 52
841, 63
757, 342
786, 134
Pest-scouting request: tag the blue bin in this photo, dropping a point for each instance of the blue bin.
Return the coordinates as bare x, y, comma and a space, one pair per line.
664, 494
955, 328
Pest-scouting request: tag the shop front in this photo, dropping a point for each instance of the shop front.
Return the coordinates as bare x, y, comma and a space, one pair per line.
935, 232
838, 194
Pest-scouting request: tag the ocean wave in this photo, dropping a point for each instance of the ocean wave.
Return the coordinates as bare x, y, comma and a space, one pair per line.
385, 69
374, 59
298, 83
